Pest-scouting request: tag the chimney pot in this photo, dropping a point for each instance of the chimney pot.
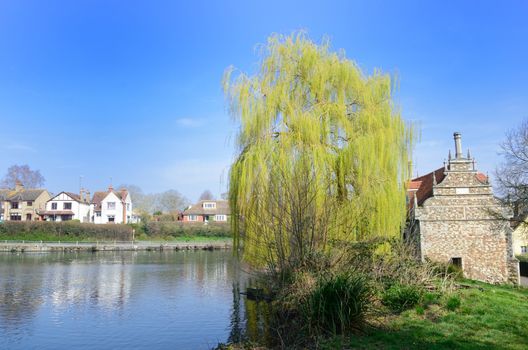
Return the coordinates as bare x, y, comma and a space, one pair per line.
458, 145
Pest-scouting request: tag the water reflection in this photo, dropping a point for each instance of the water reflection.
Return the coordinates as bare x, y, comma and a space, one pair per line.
185, 300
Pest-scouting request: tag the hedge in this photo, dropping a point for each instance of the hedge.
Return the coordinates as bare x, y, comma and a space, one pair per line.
179, 229
68, 230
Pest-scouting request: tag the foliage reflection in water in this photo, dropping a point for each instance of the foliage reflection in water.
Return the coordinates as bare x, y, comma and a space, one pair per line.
137, 300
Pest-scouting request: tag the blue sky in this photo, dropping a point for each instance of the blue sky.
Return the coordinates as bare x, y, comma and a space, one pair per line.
131, 90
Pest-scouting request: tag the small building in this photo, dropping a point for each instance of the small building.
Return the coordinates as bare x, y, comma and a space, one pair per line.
4, 192
23, 204
520, 237
455, 218
207, 211
68, 206
111, 207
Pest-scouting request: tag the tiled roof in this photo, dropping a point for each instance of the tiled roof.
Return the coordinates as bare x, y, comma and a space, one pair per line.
25, 195
423, 185
222, 208
98, 197
425, 189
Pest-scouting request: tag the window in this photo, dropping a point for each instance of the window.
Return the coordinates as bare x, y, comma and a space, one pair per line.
209, 205
67, 205
53, 206
220, 218
15, 217
14, 205
111, 218
193, 217
29, 203
524, 249
128, 206
110, 205
456, 262
98, 214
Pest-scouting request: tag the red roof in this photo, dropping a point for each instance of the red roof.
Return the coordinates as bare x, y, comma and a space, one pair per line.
423, 185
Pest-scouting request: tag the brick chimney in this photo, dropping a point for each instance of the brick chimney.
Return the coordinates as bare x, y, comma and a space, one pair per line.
18, 186
458, 145
110, 188
123, 201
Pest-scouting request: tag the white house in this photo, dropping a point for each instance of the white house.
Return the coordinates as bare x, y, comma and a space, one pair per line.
111, 207
68, 206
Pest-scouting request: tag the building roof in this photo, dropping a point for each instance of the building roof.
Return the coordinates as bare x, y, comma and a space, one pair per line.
56, 212
222, 208
75, 196
98, 197
423, 185
24, 195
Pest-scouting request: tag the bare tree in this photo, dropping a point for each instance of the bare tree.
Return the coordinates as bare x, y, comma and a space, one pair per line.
172, 201
512, 174
206, 195
23, 173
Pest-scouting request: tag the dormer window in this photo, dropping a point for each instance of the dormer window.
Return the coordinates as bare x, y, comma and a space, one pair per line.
209, 205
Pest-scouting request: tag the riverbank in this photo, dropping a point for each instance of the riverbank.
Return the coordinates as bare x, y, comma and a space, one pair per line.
487, 317
47, 246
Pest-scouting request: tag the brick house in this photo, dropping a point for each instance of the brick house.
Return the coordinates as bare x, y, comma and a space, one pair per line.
207, 211
23, 204
455, 218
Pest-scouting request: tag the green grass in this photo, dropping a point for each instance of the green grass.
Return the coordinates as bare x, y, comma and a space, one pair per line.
492, 317
36, 236
188, 239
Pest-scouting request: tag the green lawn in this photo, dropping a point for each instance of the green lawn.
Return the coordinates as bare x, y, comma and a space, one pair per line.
489, 317
36, 236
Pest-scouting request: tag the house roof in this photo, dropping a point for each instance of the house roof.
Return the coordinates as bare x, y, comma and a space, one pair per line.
24, 195
56, 212
423, 185
98, 197
222, 208
76, 197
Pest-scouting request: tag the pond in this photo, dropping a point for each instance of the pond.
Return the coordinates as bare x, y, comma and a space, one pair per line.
112, 300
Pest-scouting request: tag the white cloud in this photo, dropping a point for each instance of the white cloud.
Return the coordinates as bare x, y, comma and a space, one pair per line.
189, 122
20, 147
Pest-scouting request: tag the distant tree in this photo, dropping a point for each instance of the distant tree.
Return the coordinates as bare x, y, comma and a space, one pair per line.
23, 173
206, 195
172, 201
225, 195
512, 174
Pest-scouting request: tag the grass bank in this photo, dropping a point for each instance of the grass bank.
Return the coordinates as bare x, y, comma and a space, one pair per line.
488, 317
484, 317
72, 231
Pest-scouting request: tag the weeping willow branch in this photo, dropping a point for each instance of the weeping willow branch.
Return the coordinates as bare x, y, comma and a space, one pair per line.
322, 154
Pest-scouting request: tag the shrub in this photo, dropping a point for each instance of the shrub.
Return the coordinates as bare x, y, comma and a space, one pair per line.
452, 303
338, 303
420, 310
67, 230
399, 297
429, 299
179, 229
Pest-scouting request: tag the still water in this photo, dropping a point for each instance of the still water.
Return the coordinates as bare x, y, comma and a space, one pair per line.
114, 300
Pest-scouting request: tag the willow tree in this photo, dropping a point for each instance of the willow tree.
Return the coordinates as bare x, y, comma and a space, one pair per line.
321, 154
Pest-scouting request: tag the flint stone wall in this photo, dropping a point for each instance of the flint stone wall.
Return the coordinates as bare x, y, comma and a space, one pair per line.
464, 220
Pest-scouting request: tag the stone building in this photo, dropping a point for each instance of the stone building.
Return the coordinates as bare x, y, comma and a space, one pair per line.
455, 218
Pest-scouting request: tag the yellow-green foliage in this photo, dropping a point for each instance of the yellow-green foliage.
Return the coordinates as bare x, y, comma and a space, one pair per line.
322, 153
